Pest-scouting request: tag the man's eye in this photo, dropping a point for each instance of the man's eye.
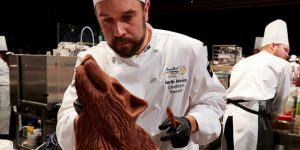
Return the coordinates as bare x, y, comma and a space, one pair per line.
107, 20
127, 18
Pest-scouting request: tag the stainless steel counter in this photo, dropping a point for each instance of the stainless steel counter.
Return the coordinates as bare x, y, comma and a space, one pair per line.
287, 139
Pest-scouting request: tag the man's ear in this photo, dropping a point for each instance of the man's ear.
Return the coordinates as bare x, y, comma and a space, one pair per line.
273, 45
146, 9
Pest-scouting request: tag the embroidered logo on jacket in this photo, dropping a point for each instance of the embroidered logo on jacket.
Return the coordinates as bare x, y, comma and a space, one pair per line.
176, 79
174, 71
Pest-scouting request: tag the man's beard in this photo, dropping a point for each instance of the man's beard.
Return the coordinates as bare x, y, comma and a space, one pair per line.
127, 52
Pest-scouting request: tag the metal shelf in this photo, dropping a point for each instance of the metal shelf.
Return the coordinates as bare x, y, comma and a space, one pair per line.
47, 128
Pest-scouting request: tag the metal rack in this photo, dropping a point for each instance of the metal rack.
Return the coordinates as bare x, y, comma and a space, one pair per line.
37, 84
226, 54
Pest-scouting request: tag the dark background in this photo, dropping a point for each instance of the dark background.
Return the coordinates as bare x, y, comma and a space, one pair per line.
32, 25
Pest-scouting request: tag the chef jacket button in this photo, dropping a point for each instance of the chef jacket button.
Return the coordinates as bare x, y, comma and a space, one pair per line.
157, 106
113, 59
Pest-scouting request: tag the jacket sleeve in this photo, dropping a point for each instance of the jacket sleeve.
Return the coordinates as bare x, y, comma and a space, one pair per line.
207, 100
283, 89
66, 114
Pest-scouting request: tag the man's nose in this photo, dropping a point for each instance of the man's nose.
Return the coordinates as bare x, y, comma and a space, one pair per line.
119, 29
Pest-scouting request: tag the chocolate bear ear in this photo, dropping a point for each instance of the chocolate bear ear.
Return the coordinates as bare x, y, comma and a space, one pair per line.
136, 106
133, 105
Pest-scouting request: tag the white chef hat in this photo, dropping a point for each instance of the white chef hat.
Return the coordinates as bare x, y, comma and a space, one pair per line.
258, 43
96, 1
276, 32
3, 46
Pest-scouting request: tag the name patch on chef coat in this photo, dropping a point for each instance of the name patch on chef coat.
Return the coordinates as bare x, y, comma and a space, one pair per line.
147, 48
210, 72
175, 79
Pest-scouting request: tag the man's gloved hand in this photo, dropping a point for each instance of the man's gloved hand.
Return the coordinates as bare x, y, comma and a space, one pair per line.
77, 105
180, 136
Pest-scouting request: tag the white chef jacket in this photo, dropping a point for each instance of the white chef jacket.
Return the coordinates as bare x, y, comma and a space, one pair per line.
262, 76
5, 109
171, 72
4, 73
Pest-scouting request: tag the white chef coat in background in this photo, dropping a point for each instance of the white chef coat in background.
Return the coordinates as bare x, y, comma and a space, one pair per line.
262, 76
5, 108
171, 72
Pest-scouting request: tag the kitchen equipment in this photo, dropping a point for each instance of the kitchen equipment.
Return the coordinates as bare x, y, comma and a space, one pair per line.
37, 86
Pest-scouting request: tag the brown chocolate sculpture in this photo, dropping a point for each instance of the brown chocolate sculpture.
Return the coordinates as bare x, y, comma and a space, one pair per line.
109, 112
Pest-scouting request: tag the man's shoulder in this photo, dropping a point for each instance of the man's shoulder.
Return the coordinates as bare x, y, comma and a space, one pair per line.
176, 41
274, 62
178, 37
279, 61
100, 50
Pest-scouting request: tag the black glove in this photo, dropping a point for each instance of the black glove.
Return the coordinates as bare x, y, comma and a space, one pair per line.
77, 105
180, 136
